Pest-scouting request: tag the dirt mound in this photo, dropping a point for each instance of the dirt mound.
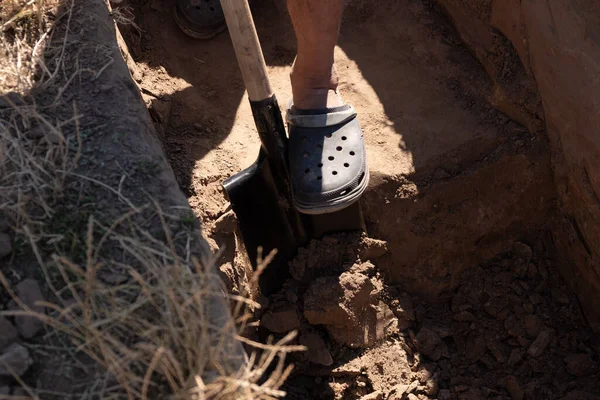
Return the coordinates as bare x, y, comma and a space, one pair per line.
510, 330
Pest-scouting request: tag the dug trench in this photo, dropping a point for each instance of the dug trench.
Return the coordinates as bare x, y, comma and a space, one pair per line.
456, 292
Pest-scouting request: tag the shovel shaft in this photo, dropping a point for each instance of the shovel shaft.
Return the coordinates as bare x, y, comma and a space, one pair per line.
247, 49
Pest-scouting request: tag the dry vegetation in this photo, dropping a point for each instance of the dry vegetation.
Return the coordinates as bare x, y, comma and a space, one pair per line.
151, 334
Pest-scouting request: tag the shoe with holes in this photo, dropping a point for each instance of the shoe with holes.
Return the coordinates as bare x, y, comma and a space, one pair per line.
328, 163
200, 19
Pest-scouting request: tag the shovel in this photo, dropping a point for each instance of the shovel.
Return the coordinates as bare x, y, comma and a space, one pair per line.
261, 195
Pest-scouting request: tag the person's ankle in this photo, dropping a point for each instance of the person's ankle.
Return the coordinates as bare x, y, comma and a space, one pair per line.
314, 91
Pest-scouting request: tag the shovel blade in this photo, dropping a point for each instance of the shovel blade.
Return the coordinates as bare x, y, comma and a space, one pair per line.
263, 216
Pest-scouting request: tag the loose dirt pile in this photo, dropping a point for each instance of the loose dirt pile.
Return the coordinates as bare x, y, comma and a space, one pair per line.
510, 330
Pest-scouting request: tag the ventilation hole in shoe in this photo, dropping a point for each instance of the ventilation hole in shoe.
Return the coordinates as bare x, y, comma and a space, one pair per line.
319, 178
352, 153
334, 172
331, 158
320, 165
305, 155
328, 135
346, 165
339, 148
307, 170
344, 138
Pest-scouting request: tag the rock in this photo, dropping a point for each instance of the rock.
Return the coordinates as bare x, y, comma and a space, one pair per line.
429, 343
346, 370
513, 326
5, 245
533, 325
516, 355
282, 317
403, 309
540, 343
29, 292
580, 364
317, 352
514, 389
376, 395
475, 347
412, 397
397, 392
226, 223
8, 333
523, 251
346, 305
464, 316
370, 249
412, 387
17, 358
496, 351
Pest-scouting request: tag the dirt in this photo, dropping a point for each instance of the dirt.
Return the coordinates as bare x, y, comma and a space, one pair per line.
511, 330
429, 309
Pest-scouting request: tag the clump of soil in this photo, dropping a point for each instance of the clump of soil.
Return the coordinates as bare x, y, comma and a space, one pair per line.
510, 329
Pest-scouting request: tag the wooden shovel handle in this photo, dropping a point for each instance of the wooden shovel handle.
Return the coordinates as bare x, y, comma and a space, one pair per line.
247, 48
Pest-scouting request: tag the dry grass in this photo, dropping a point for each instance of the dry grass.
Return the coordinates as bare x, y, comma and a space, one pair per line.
156, 334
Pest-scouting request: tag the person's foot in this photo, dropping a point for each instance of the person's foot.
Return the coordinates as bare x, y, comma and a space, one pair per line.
200, 19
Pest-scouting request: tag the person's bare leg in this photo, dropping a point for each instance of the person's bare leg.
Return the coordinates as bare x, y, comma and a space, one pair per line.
314, 79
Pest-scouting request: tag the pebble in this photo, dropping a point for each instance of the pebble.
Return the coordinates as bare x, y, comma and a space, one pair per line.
5, 245
17, 358
516, 355
533, 325
580, 364
29, 292
429, 343
514, 389
282, 318
412, 397
523, 251
376, 395
540, 343
464, 316
397, 392
317, 352
8, 333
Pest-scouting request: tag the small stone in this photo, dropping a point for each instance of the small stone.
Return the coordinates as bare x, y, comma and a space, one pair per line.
282, 318
475, 347
533, 325
376, 395
429, 343
226, 223
514, 389
346, 370
513, 326
516, 355
464, 316
580, 364
17, 358
317, 352
540, 343
532, 271
370, 249
523, 251
412, 387
8, 333
412, 397
496, 351
5, 245
397, 392
29, 292
113, 278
